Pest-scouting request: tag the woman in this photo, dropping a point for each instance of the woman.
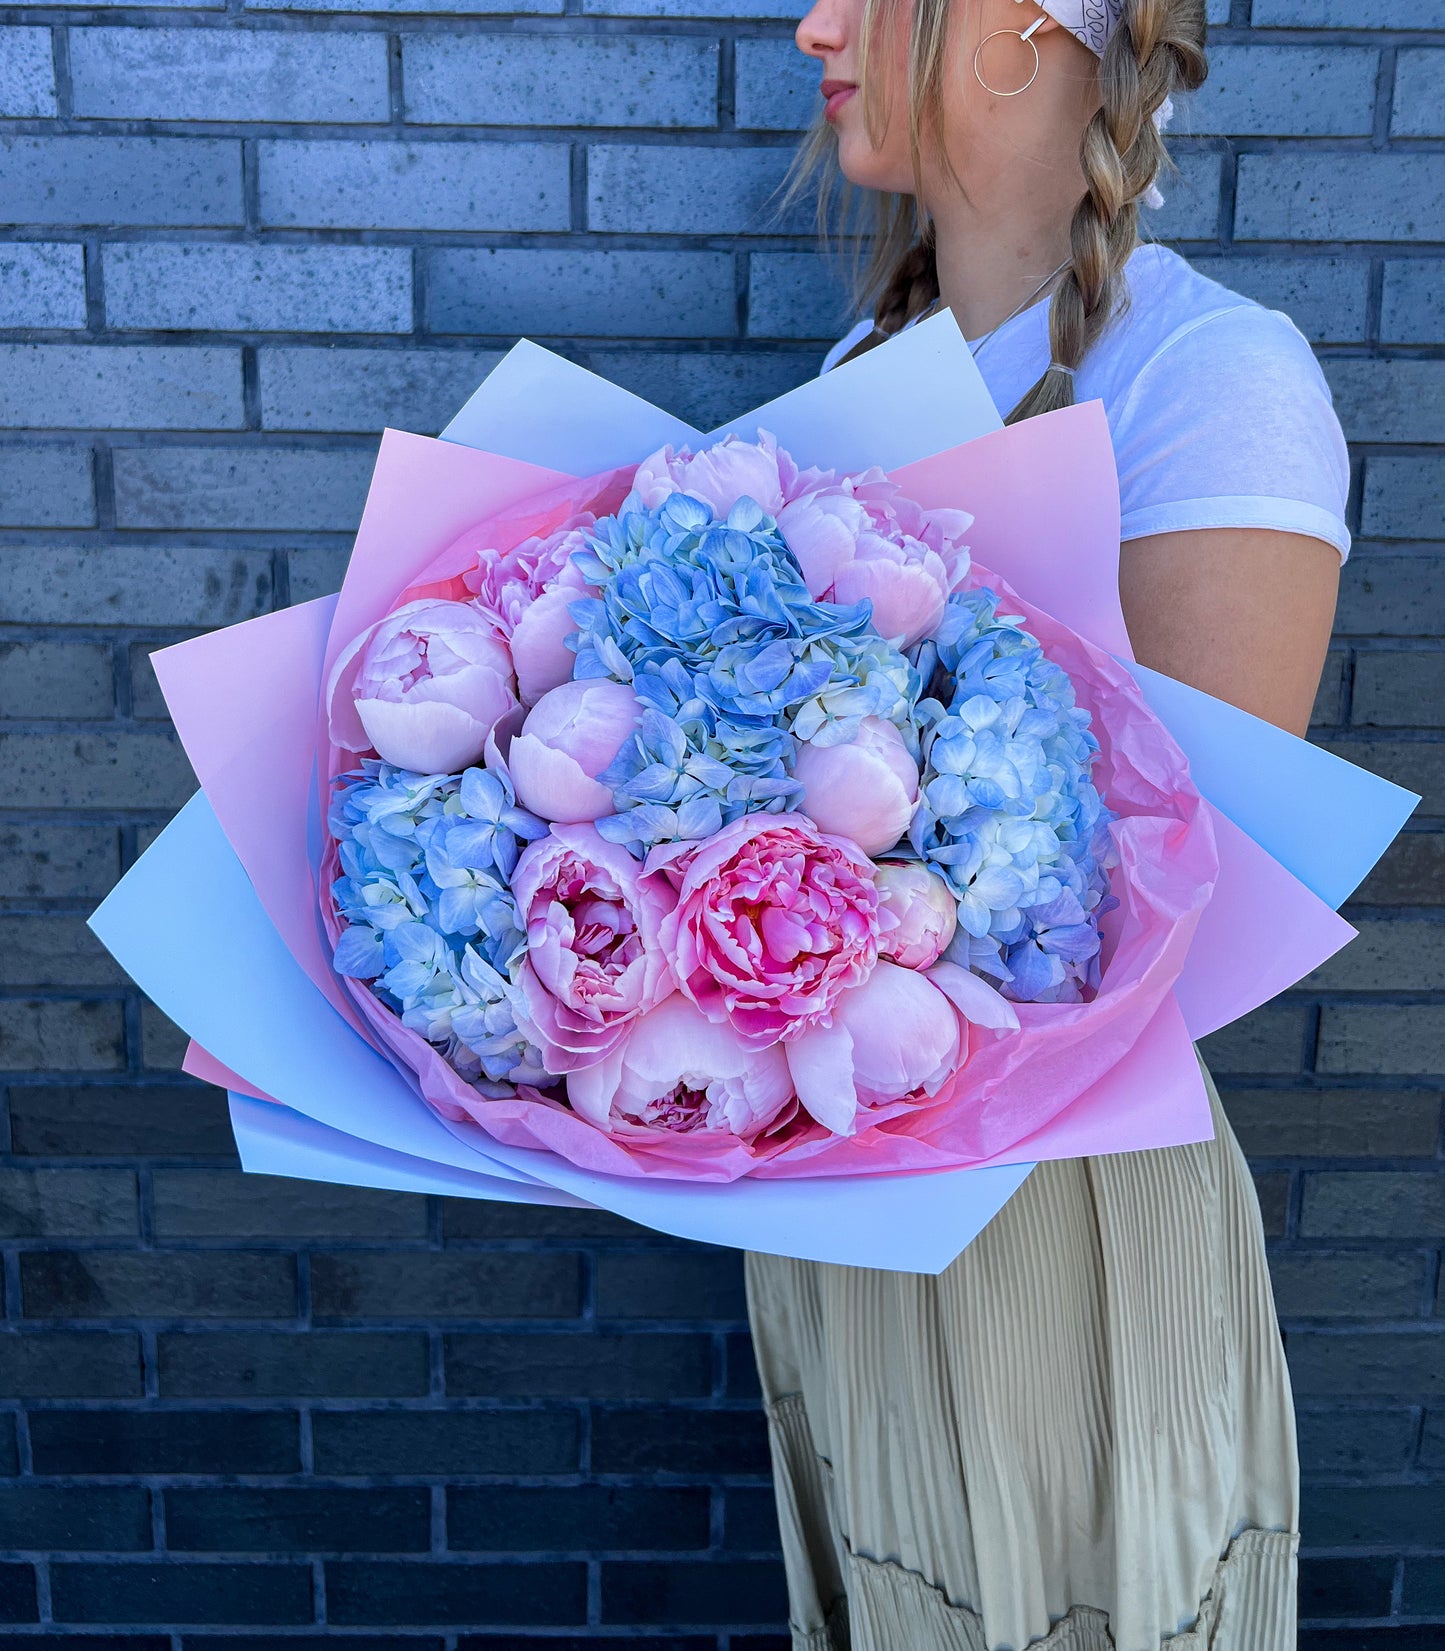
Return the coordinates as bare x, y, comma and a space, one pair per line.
1080, 1436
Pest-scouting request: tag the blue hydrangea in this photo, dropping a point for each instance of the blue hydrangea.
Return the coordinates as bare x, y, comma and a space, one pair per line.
713, 626
1008, 811
426, 861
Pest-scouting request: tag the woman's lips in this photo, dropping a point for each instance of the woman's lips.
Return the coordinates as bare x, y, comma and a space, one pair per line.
835, 94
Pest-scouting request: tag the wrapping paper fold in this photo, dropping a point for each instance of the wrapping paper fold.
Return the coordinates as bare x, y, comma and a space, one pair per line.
220, 921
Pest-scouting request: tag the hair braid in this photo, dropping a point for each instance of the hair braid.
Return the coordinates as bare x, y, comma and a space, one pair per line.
1157, 49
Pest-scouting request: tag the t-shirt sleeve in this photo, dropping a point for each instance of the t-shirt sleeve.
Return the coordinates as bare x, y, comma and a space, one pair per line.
1230, 423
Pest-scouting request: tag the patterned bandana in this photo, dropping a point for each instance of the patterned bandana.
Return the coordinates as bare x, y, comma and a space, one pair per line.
1093, 21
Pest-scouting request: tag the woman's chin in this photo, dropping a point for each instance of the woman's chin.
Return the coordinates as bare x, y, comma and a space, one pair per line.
863, 166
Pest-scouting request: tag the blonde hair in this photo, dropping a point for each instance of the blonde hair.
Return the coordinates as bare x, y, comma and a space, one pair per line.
1156, 50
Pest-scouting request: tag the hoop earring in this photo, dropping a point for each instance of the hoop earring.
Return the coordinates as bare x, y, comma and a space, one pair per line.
1026, 35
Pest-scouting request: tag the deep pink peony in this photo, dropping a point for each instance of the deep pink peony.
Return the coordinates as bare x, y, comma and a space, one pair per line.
681, 1072
595, 960
772, 921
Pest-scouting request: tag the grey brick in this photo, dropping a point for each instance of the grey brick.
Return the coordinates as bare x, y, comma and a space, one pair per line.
146, 700
556, 80
258, 288
777, 87
686, 190
438, 185
126, 387
1335, 1123
409, 8
68, 1203
130, 585
1419, 110
1410, 763
1394, 401
1269, 1040
46, 486
316, 572
705, 388
122, 180
70, 1364
280, 1364
1403, 497
592, 1366
797, 295
163, 1044
233, 488
56, 679
480, 1218
1314, 197
42, 283
45, 861
130, 770
1272, 1193
1216, 11
1365, 1204
1355, 1441
1191, 201
228, 74
417, 1284
1399, 690
54, 949
1347, 1286
1383, 1365
57, 1035
27, 73
1307, 91
1411, 873
131, 1284
1432, 1443
367, 390
1372, 1516
1327, 711
507, 293
1326, 298
1390, 595
1346, 14
1388, 956
1383, 1038
788, 10
226, 1204
115, 1120
1413, 308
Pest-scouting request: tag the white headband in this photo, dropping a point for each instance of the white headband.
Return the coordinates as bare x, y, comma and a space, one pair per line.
1093, 21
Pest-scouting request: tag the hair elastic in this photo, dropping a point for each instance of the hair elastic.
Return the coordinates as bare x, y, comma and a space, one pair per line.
1059, 367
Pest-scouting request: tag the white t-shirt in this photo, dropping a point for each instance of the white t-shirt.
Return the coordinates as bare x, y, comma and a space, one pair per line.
1219, 412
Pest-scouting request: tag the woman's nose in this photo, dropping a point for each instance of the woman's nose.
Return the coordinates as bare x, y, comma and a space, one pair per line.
822, 30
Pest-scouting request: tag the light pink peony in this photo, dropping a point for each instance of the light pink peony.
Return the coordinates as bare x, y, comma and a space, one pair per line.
773, 921
422, 688
527, 591
926, 910
680, 1071
719, 476
594, 959
865, 789
571, 734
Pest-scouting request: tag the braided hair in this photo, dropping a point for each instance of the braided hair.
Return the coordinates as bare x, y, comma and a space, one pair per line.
1157, 49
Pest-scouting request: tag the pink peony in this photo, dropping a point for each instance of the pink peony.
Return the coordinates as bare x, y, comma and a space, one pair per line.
527, 591
571, 734
719, 476
422, 688
773, 920
864, 789
926, 910
594, 959
680, 1071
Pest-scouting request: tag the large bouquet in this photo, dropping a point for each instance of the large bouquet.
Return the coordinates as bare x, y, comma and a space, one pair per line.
717, 831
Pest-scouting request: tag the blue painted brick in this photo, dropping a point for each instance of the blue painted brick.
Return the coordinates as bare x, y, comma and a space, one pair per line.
390, 1594
169, 287
27, 72
366, 390
1346, 14
787, 10
151, 586
411, 8
1419, 107
681, 190
509, 292
46, 487
230, 488
1191, 201
102, 387
390, 185
1313, 197
1326, 298
228, 74
1413, 308
777, 86
706, 389
1402, 497
1313, 91
181, 1594
554, 80
124, 180
797, 295
1390, 401
42, 284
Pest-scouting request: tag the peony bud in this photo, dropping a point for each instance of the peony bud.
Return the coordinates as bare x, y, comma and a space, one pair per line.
570, 736
864, 790
926, 910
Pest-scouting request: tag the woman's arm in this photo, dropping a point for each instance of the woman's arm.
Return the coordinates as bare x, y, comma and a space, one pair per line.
1244, 614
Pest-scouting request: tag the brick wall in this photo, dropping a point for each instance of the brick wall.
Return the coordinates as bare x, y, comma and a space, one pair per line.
238, 239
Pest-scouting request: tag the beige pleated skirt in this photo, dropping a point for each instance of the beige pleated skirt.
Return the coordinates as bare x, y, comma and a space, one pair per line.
1077, 1438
